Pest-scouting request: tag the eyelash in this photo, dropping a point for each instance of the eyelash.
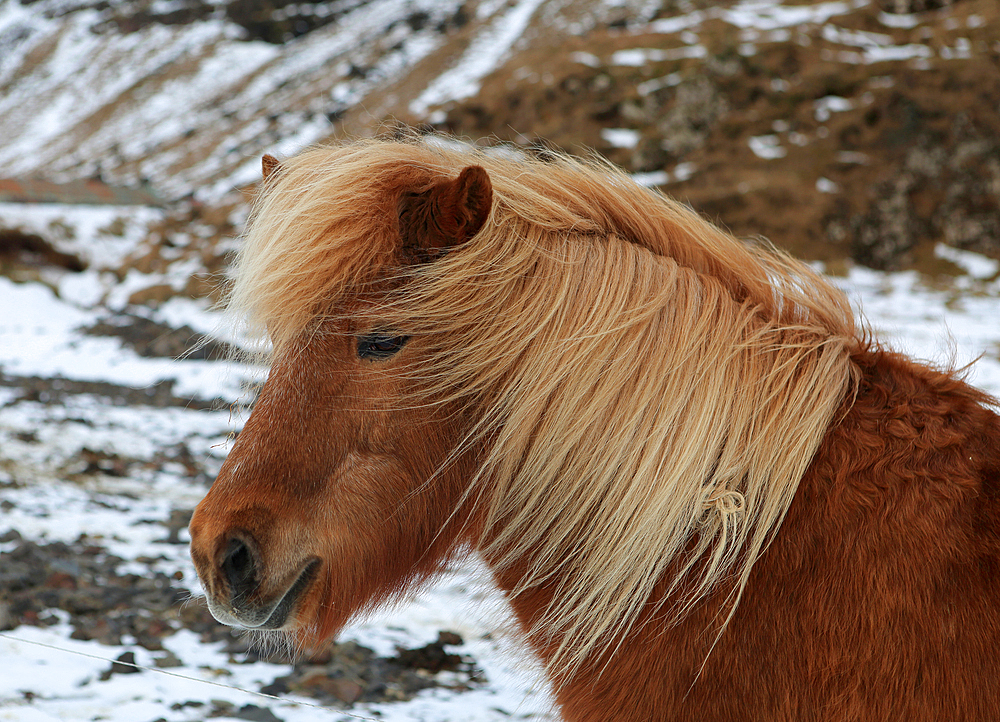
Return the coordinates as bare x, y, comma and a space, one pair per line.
379, 345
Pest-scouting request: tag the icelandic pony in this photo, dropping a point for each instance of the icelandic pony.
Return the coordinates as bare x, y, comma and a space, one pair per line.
706, 494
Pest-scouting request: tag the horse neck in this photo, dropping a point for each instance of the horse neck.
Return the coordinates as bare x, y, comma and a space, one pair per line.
914, 446
908, 420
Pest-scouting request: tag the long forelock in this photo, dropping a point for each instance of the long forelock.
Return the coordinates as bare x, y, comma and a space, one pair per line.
650, 390
323, 230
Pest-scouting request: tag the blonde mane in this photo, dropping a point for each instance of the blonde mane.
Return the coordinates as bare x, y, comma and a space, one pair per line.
650, 389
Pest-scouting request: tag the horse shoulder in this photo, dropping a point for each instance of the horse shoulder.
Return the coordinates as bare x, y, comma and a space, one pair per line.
890, 552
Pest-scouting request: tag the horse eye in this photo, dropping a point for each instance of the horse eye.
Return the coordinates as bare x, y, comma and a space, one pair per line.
380, 345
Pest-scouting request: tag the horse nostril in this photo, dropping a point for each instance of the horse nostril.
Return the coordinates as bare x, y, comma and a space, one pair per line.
239, 568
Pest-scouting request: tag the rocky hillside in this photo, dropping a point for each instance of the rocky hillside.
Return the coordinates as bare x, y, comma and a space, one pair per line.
862, 129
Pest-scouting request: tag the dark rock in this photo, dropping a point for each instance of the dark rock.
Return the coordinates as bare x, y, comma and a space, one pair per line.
125, 664
177, 706
905, 7
168, 661
346, 690
690, 114
102, 462
277, 687
7, 620
888, 231
129, 19
19, 249
255, 714
180, 518
947, 188
83, 580
432, 657
277, 21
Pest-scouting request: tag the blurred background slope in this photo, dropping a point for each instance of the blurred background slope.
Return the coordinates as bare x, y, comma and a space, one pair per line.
854, 129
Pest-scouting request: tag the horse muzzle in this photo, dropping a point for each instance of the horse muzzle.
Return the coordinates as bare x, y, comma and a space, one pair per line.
235, 591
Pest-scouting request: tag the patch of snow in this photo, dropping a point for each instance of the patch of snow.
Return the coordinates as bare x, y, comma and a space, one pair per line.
945, 327
767, 146
638, 57
155, 88
83, 74
669, 26
755, 16
853, 157
962, 50
101, 236
483, 55
620, 137
898, 20
830, 104
21, 30
84, 290
975, 264
772, 14
651, 86
895, 53
588, 59
683, 171
857, 38
652, 178
38, 337
825, 185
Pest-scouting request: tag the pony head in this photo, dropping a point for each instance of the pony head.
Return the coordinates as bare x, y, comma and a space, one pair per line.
296, 531
600, 392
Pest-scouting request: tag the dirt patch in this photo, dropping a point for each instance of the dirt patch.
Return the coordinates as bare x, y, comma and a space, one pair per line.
82, 584
151, 339
273, 21
349, 672
82, 580
22, 252
55, 390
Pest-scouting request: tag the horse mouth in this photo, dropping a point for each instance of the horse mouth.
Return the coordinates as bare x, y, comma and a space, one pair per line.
275, 616
279, 615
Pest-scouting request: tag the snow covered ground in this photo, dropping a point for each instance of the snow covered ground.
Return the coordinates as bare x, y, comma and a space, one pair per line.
45, 675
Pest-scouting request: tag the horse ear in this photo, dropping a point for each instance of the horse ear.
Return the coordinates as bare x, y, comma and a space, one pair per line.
269, 164
447, 214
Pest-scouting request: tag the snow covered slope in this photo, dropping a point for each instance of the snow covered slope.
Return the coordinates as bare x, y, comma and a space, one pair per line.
837, 128
189, 106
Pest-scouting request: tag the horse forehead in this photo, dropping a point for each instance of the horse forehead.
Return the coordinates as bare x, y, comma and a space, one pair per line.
328, 335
